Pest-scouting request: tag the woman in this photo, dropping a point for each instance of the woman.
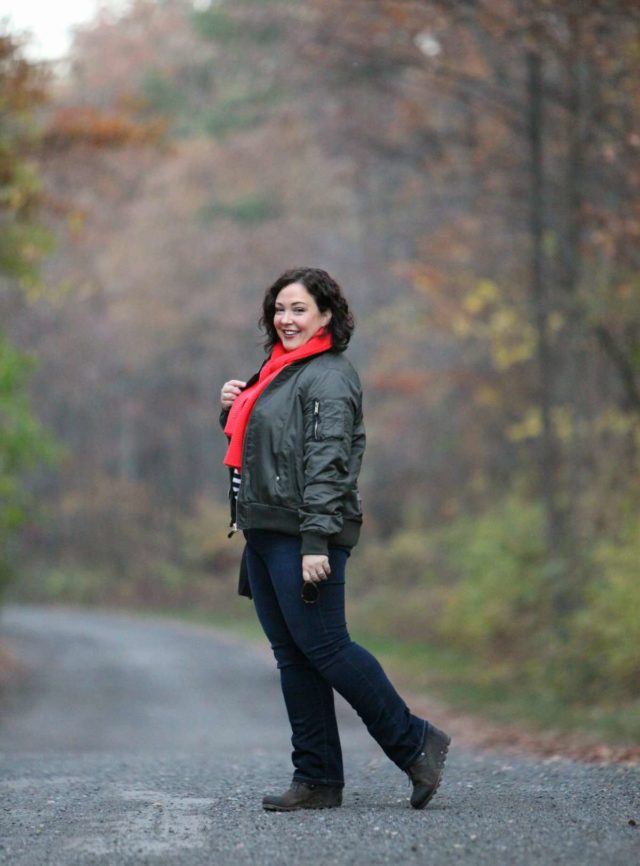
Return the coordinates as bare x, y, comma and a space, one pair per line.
296, 440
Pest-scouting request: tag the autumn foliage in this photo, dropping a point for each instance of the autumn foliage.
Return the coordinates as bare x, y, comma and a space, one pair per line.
469, 172
71, 126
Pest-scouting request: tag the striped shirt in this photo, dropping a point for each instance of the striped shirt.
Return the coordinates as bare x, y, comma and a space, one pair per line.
235, 483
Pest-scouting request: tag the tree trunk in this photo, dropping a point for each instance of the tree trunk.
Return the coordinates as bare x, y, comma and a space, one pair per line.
549, 464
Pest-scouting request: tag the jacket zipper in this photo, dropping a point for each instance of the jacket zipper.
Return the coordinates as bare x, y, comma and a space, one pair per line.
234, 526
316, 418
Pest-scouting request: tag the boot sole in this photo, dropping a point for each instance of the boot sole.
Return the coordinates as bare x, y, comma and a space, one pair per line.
271, 807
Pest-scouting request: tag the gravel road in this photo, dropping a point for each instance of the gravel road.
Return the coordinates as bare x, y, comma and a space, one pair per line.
147, 741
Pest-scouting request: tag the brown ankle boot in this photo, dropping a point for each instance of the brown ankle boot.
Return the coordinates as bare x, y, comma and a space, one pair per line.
426, 772
303, 795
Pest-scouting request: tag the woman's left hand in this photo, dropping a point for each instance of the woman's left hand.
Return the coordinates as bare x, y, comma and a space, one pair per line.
315, 567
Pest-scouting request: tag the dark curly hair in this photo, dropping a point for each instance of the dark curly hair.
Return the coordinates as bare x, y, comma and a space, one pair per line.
327, 295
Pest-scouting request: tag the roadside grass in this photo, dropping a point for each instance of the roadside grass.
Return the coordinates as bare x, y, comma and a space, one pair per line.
464, 683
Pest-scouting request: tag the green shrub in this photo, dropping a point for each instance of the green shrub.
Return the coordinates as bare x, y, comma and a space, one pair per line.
24, 443
605, 633
481, 585
501, 595
69, 583
484, 587
405, 559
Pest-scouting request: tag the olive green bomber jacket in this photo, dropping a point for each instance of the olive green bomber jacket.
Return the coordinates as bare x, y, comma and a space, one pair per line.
302, 453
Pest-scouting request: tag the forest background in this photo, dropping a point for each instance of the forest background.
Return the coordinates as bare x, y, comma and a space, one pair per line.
470, 173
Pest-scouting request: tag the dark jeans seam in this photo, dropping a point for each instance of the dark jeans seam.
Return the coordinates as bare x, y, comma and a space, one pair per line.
324, 723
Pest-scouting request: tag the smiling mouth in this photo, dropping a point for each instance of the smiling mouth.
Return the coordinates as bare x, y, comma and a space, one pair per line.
291, 333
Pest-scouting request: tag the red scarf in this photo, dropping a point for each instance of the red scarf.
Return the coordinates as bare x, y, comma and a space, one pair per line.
238, 419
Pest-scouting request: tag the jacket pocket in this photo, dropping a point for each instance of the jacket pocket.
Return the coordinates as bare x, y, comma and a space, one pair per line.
328, 419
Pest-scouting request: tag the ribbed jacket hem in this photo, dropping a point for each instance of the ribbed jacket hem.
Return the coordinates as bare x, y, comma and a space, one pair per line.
255, 515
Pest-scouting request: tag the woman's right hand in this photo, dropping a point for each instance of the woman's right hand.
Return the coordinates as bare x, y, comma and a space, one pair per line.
230, 391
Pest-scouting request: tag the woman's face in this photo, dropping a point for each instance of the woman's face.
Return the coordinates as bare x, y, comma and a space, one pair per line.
297, 317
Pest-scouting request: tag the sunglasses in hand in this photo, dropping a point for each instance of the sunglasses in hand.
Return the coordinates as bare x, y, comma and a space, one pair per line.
310, 592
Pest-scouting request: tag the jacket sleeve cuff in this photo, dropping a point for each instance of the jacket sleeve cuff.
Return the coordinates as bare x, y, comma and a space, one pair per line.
313, 543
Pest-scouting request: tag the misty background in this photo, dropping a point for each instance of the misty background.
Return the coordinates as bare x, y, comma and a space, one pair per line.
470, 174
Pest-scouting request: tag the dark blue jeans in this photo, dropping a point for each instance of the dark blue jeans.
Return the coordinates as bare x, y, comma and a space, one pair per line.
315, 655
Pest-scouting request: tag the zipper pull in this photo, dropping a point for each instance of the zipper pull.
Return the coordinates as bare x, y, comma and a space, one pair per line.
234, 529
316, 418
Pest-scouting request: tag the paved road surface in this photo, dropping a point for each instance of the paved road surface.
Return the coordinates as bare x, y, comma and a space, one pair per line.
144, 741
